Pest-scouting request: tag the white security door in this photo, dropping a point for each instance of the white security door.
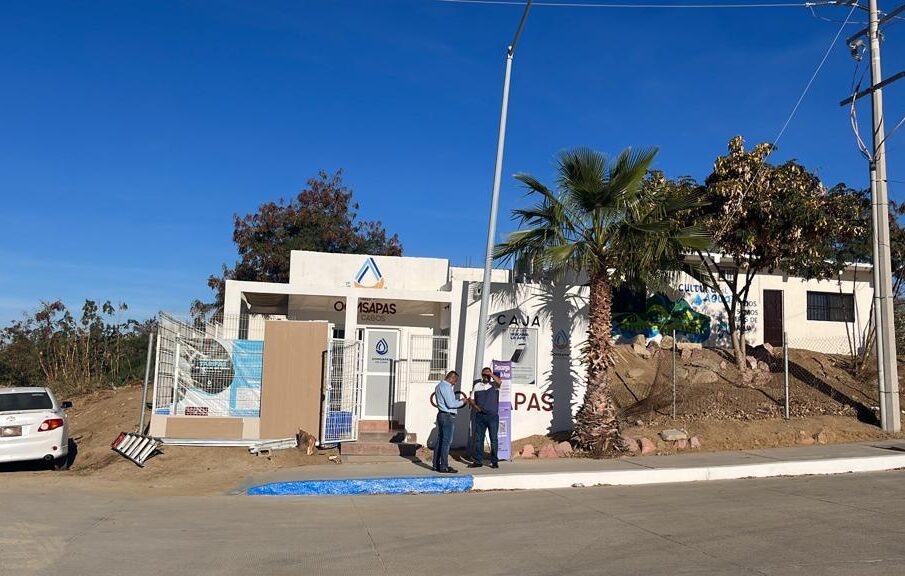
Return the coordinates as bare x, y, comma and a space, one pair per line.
382, 349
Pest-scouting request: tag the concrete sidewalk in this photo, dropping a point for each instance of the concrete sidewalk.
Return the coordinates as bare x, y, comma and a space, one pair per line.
417, 477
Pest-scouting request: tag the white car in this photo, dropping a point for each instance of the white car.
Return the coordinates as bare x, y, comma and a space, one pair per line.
33, 426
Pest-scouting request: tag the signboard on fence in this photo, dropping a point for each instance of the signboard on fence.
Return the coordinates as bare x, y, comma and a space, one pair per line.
503, 369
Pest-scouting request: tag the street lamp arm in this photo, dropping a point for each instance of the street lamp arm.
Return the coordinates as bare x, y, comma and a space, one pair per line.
511, 50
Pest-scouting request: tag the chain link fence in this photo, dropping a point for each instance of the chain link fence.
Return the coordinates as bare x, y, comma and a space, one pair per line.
658, 381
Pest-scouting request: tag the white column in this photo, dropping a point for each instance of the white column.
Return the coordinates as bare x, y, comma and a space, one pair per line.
351, 321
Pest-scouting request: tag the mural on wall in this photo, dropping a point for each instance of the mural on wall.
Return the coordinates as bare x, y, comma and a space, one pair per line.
707, 301
660, 317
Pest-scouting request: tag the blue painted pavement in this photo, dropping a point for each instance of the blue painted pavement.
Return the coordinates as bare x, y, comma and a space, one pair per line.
348, 487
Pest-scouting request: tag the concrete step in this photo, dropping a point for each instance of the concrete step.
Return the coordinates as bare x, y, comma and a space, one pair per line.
394, 436
379, 448
362, 459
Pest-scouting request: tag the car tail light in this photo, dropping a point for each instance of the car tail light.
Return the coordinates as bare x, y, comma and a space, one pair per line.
50, 424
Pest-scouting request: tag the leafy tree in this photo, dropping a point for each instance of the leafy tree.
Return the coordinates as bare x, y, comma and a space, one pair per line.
322, 217
54, 348
609, 222
766, 217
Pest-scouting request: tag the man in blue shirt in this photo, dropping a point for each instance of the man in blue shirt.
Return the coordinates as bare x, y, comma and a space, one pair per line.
447, 406
486, 397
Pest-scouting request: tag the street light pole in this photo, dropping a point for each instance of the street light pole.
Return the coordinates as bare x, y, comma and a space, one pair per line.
494, 203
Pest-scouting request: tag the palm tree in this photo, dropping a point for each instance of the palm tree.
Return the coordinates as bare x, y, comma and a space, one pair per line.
610, 222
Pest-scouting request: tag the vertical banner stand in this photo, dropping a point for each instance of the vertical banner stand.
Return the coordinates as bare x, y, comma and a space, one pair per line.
503, 369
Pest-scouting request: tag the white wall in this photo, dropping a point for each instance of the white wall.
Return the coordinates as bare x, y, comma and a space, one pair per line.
316, 269
545, 407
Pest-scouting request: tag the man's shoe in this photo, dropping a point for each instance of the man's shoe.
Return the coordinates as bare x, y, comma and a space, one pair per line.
450, 471
494, 465
475, 465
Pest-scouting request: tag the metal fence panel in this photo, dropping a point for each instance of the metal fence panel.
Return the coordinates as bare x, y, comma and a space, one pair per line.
342, 392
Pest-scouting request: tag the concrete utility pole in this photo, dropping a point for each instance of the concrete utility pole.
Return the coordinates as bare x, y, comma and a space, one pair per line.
494, 203
887, 369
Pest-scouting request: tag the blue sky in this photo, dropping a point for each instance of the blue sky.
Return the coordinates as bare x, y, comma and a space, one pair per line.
132, 131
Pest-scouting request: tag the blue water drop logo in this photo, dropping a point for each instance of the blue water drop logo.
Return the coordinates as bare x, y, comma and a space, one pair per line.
382, 347
697, 300
561, 339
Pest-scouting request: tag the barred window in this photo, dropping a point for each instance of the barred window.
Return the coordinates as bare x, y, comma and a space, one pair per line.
831, 307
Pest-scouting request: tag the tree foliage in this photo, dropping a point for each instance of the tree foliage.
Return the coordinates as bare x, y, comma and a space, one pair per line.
612, 222
766, 217
54, 348
323, 217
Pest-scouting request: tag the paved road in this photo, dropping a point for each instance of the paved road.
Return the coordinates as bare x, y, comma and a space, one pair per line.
841, 525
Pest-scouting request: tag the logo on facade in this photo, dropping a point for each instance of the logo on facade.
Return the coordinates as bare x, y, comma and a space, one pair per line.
369, 275
382, 347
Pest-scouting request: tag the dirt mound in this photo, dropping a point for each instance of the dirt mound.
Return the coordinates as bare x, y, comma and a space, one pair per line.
97, 419
709, 386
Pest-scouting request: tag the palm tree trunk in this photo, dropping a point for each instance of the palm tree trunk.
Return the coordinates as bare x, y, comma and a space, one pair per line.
596, 428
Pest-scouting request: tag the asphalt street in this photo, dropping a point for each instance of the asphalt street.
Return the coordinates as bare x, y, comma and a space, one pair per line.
838, 525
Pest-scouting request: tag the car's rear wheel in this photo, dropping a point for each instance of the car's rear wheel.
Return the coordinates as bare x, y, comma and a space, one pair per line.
61, 463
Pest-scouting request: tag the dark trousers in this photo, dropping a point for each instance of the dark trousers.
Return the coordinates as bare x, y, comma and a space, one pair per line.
446, 424
485, 422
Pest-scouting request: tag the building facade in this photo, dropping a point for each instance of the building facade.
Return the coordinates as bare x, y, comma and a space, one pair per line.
410, 320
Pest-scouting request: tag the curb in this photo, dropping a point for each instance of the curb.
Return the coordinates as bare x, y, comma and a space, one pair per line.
697, 474
549, 480
354, 487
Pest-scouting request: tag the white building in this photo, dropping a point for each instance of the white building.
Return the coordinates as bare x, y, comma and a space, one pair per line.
412, 319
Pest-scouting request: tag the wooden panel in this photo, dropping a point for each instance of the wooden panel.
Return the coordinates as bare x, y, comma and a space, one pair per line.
294, 355
204, 427
773, 325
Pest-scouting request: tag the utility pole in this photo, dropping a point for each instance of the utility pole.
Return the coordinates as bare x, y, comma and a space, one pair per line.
494, 203
887, 370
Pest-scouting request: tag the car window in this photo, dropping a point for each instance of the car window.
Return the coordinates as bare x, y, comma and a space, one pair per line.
25, 401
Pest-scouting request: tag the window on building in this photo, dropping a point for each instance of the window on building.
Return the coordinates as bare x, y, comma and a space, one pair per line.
831, 307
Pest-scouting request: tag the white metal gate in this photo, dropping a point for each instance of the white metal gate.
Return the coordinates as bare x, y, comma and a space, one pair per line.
342, 394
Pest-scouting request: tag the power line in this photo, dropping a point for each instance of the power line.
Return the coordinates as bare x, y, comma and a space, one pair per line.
639, 6
807, 88
804, 93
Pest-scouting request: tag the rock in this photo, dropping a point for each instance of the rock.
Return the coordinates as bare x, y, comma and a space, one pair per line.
666, 342
528, 451
639, 422
648, 447
635, 373
695, 443
769, 348
686, 353
631, 445
747, 376
689, 346
723, 365
671, 435
548, 451
641, 351
681, 444
704, 377
752, 362
763, 366
640, 339
653, 345
825, 437
564, 449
